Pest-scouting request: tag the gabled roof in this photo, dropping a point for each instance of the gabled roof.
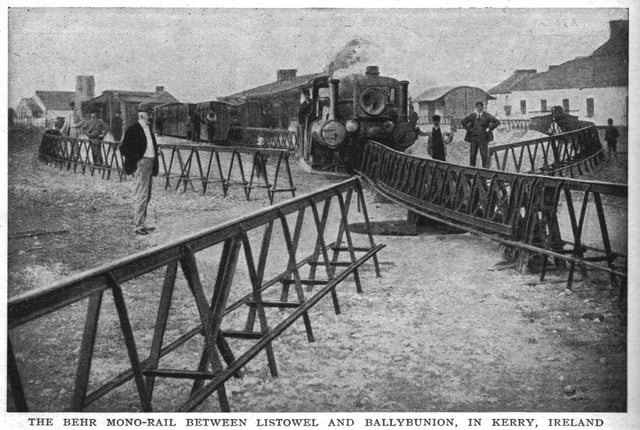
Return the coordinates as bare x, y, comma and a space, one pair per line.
435, 93
136, 97
32, 105
505, 86
607, 66
275, 87
585, 72
56, 100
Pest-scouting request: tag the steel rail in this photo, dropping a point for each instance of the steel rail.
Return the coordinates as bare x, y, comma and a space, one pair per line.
233, 235
558, 154
187, 164
517, 209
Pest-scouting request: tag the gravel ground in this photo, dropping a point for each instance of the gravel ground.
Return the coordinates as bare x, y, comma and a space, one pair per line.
446, 327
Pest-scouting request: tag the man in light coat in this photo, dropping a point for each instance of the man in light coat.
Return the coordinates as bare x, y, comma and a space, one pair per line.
140, 152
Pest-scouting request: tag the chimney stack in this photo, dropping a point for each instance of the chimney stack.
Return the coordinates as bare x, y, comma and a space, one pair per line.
286, 74
619, 29
85, 90
159, 89
372, 71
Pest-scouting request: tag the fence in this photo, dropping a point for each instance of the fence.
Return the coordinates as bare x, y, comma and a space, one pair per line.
184, 166
272, 241
566, 153
514, 124
529, 212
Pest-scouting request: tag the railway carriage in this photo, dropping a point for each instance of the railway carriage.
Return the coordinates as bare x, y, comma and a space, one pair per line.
347, 112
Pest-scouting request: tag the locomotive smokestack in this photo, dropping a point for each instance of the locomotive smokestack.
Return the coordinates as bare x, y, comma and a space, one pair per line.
333, 91
372, 71
404, 99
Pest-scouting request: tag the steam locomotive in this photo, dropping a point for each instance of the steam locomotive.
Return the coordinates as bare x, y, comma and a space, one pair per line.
344, 114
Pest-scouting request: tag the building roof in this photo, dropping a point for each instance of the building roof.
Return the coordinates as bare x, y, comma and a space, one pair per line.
32, 105
506, 85
435, 93
586, 72
135, 97
607, 66
292, 84
56, 100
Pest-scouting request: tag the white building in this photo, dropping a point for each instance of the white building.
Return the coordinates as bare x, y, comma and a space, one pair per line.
594, 88
45, 107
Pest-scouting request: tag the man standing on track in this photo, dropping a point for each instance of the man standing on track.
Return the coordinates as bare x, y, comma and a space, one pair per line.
140, 152
479, 126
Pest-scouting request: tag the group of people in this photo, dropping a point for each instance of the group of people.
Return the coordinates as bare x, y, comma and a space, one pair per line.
194, 128
140, 149
479, 127
94, 128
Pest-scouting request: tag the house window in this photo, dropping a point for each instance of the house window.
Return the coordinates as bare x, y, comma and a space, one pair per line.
523, 107
565, 105
507, 110
543, 105
590, 110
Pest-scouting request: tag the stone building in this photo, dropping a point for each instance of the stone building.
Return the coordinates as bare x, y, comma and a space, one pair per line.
451, 103
594, 87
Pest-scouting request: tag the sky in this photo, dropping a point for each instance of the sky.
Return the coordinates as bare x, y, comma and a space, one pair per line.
199, 54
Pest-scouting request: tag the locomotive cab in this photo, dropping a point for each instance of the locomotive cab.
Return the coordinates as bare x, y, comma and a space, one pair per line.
350, 111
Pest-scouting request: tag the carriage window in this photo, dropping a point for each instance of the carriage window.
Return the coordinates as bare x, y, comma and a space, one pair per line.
523, 107
565, 105
392, 96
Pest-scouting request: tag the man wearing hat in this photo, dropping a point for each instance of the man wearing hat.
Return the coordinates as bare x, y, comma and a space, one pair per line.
116, 126
140, 152
479, 126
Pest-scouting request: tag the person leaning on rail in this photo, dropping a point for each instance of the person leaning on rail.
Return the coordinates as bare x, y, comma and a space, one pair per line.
479, 126
140, 151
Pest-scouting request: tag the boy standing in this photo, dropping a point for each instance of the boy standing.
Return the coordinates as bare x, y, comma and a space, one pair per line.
436, 141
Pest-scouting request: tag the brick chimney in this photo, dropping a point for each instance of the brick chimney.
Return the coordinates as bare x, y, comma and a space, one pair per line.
286, 74
85, 90
619, 29
618, 43
159, 89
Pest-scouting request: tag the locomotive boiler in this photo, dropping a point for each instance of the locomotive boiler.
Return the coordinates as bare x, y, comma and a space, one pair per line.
349, 111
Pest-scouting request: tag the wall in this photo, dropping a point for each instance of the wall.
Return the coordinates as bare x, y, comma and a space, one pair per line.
610, 102
461, 102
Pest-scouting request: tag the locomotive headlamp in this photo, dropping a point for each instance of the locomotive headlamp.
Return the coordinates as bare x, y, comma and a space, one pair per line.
373, 101
388, 126
352, 126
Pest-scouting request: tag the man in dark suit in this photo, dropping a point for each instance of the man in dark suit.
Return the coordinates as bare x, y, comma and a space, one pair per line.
479, 126
140, 152
116, 126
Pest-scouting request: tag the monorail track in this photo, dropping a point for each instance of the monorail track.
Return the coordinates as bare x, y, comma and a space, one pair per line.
524, 212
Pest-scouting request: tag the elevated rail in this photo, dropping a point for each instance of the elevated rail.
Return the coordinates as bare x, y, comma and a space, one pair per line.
533, 213
182, 166
258, 258
565, 154
264, 138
